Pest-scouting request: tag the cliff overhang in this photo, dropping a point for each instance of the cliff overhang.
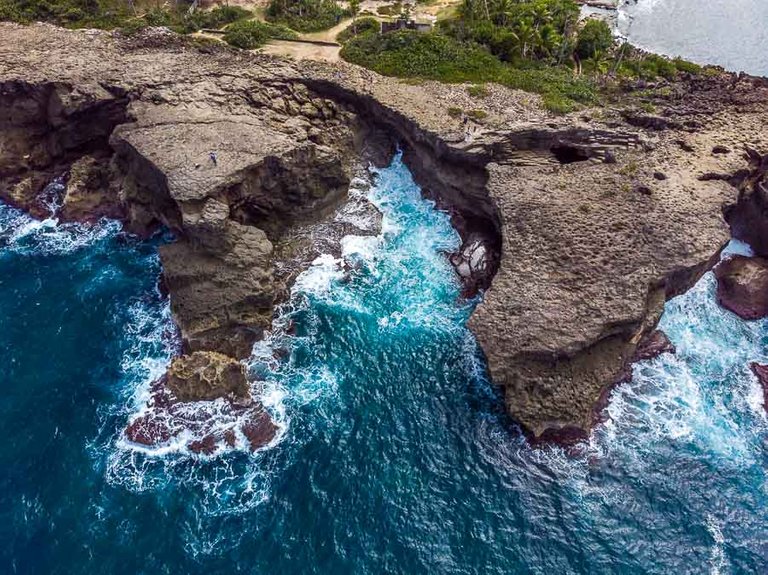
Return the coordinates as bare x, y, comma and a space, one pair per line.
576, 229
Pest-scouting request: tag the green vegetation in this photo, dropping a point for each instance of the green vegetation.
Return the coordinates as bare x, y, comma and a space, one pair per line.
250, 34
390, 9
534, 45
477, 114
436, 56
478, 91
108, 14
594, 39
305, 15
360, 26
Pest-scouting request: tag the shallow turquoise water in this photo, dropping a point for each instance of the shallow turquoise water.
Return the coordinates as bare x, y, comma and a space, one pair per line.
394, 454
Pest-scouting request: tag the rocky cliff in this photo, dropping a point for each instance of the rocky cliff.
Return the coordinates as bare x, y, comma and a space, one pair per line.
576, 228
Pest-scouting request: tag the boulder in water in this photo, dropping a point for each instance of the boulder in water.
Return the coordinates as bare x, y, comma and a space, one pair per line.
742, 286
761, 371
206, 397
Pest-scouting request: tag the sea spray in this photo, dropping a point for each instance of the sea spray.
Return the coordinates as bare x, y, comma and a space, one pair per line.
396, 455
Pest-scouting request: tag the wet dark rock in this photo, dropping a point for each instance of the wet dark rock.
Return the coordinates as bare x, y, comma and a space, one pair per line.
206, 396
149, 430
211, 425
761, 371
742, 286
653, 346
748, 217
473, 265
259, 430
206, 445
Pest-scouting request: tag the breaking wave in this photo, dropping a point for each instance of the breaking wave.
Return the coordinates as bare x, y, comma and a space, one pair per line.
395, 454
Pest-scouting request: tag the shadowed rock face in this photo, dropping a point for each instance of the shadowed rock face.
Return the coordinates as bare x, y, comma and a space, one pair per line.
742, 286
578, 228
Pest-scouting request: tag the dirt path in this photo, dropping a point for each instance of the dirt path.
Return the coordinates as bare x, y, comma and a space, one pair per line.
302, 51
308, 51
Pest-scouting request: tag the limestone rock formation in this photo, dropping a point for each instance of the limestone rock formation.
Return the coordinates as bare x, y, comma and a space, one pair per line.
576, 228
742, 286
204, 376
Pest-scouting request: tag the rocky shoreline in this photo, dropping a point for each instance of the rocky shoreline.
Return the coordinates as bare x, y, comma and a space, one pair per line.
576, 229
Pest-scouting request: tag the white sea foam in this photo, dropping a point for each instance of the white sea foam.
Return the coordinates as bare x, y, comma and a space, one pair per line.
717, 559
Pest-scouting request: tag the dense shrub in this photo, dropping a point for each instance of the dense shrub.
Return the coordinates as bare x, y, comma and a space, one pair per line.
247, 34
116, 13
365, 25
305, 15
250, 34
594, 39
436, 56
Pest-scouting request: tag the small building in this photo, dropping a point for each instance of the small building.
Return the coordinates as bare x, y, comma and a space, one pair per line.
405, 24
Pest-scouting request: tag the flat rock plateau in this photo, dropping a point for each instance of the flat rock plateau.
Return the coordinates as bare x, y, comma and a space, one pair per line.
576, 228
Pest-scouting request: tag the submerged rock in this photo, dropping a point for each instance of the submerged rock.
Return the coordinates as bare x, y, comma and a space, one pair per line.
742, 286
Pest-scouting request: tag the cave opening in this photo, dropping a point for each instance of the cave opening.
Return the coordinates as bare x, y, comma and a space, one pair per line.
566, 154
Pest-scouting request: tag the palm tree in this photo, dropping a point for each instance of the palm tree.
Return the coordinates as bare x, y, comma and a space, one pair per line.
527, 34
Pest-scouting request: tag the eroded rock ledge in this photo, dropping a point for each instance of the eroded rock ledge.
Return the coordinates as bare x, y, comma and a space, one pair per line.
578, 227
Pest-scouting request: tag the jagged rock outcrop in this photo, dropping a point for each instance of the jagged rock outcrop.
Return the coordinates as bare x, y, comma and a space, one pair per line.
748, 217
204, 376
226, 414
582, 225
761, 372
592, 250
742, 286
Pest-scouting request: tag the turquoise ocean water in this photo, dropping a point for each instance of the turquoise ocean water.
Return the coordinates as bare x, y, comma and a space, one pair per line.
394, 454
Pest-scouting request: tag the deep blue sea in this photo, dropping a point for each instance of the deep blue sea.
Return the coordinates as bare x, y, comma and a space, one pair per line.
394, 454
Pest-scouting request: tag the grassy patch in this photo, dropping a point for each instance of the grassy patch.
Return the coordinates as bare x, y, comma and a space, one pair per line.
390, 9
478, 115
478, 91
